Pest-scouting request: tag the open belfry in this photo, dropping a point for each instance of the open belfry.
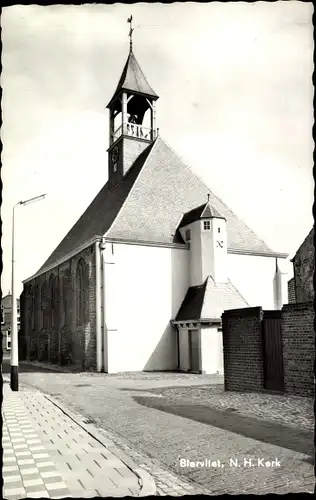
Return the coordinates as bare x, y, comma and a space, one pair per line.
141, 280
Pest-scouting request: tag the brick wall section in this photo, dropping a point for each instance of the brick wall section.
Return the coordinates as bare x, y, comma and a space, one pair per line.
291, 291
242, 345
298, 339
90, 334
304, 264
66, 343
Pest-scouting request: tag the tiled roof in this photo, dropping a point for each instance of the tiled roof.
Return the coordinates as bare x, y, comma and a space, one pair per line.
147, 204
205, 211
134, 80
165, 190
6, 301
100, 214
209, 301
191, 307
209, 212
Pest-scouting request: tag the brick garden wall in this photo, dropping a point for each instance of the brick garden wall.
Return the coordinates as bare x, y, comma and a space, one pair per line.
298, 340
242, 345
243, 349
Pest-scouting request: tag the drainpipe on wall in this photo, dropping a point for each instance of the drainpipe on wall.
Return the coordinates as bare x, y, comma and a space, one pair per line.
104, 338
178, 349
277, 282
98, 306
178, 344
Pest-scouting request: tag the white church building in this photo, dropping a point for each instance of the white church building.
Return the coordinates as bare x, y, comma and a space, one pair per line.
141, 280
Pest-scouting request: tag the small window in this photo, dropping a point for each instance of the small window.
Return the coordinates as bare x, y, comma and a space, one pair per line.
207, 225
188, 235
115, 167
219, 230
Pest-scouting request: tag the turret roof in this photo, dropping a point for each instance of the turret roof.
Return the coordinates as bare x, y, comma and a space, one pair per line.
205, 211
133, 80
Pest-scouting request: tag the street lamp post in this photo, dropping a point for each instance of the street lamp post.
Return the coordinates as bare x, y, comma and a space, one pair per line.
14, 326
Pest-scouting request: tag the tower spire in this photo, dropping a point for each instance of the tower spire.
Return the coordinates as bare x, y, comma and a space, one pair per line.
129, 20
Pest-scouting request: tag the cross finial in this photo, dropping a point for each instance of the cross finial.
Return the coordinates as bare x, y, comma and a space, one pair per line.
208, 197
129, 20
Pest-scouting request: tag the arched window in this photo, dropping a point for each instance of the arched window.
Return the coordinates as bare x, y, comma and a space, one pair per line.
37, 311
32, 308
53, 302
66, 298
44, 304
81, 292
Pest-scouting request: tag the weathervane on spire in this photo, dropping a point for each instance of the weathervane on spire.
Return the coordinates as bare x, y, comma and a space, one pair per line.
129, 20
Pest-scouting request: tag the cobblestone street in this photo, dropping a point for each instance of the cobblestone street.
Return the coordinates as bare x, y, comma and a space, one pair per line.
159, 419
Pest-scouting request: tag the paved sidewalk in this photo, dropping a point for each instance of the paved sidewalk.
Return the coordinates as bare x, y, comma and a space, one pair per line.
47, 454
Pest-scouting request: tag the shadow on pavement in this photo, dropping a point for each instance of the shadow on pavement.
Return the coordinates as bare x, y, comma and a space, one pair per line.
295, 439
27, 368
214, 388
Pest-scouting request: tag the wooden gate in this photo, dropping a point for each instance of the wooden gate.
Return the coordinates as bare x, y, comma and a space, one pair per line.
272, 349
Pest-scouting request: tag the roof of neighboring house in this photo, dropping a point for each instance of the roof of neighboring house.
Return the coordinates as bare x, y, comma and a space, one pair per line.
205, 211
134, 80
310, 236
6, 301
209, 301
147, 204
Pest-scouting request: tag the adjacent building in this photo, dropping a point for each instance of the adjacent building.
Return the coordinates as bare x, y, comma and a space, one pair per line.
301, 286
141, 280
6, 314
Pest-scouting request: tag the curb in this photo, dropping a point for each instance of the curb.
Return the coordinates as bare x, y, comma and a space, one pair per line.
50, 366
145, 481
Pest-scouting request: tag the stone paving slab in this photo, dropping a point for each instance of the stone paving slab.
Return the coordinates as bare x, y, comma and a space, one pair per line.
48, 455
145, 421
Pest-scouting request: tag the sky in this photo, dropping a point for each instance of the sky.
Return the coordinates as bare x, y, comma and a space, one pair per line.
235, 88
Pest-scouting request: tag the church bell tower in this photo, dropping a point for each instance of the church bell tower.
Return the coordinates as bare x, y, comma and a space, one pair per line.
132, 117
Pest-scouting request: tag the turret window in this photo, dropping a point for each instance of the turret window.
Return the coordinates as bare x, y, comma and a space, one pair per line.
207, 225
219, 229
188, 235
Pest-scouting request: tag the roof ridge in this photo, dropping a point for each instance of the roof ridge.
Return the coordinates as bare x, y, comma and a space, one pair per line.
134, 183
203, 182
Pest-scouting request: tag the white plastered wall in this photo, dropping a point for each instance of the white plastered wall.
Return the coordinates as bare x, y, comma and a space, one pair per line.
212, 350
253, 277
151, 283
